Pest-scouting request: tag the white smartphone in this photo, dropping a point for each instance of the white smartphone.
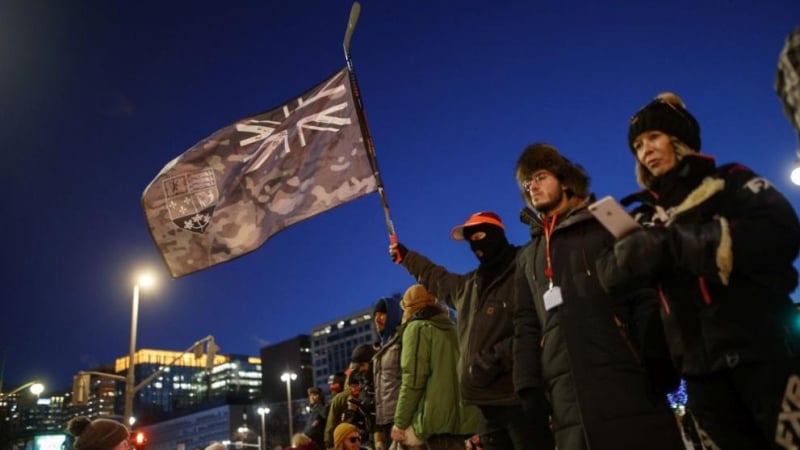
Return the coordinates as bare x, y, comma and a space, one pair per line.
613, 216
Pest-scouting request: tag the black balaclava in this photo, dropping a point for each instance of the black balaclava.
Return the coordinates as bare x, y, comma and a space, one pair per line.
497, 252
492, 245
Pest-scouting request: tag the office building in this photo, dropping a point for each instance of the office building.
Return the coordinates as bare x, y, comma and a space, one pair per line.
332, 343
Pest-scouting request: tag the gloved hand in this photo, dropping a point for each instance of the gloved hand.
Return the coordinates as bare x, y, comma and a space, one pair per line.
643, 251
533, 399
635, 259
397, 252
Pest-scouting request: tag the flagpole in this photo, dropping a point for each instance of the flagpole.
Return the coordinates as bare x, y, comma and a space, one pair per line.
362, 119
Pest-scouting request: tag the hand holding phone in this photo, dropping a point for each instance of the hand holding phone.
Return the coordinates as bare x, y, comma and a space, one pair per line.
613, 216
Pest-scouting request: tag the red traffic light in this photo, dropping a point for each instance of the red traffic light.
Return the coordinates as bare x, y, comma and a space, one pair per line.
139, 440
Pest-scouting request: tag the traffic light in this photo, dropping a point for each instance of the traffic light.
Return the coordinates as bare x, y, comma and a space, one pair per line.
80, 388
205, 348
139, 440
211, 353
198, 350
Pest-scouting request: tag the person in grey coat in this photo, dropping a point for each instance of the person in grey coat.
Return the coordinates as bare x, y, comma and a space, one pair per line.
387, 315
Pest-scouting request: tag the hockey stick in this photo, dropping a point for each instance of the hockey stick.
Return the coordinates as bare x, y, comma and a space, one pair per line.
362, 118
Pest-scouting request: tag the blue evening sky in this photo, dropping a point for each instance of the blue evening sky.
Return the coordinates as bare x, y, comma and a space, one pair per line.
95, 97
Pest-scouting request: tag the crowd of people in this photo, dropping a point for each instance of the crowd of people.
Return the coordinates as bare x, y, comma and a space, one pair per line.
573, 340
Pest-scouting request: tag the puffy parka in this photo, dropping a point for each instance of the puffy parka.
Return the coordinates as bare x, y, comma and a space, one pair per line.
430, 401
723, 242
586, 351
386, 363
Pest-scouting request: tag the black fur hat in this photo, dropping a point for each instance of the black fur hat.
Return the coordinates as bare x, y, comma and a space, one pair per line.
544, 156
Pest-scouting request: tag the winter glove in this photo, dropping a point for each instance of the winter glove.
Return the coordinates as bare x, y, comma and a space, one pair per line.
484, 369
635, 258
397, 252
533, 399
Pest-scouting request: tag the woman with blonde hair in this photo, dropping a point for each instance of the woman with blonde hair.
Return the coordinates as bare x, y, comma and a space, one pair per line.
719, 243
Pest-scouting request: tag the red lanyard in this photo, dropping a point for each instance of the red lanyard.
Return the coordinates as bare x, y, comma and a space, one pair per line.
548, 231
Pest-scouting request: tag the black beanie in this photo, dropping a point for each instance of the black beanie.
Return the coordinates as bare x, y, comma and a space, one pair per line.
667, 114
362, 354
380, 307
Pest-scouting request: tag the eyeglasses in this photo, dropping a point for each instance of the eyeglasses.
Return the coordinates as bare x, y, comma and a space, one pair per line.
354, 439
537, 180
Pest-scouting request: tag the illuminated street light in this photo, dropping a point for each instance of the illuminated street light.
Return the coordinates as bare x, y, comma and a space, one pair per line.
795, 175
36, 388
288, 377
144, 280
263, 412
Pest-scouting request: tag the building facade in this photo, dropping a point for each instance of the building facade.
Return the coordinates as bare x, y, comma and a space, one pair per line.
332, 344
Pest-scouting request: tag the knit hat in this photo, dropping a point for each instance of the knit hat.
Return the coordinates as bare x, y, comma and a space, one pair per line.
314, 390
666, 113
380, 306
98, 434
478, 218
415, 298
341, 431
362, 353
542, 156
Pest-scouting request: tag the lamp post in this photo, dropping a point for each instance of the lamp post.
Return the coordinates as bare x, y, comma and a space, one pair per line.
130, 380
36, 388
288, 377
263, 412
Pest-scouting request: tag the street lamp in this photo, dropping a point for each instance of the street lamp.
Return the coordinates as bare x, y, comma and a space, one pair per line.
795, 173
263, 412
144, 280
36, 388
288, 377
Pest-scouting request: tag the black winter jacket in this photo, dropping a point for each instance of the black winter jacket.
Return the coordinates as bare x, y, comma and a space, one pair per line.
585, 351
726, 242
484, 326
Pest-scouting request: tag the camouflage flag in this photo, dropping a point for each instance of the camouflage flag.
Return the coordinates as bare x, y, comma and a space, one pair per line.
787, 80
228, 194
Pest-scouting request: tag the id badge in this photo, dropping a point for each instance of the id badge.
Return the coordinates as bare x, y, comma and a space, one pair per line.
552, 298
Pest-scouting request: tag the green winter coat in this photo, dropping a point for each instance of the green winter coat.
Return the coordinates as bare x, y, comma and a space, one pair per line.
430, 400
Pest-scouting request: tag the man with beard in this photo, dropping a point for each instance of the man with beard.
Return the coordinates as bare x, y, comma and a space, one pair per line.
588, 350
485, 332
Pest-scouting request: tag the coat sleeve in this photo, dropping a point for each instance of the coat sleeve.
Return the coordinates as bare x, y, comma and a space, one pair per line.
443, 284
757, 234
415, 368
527, 335
333, 420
